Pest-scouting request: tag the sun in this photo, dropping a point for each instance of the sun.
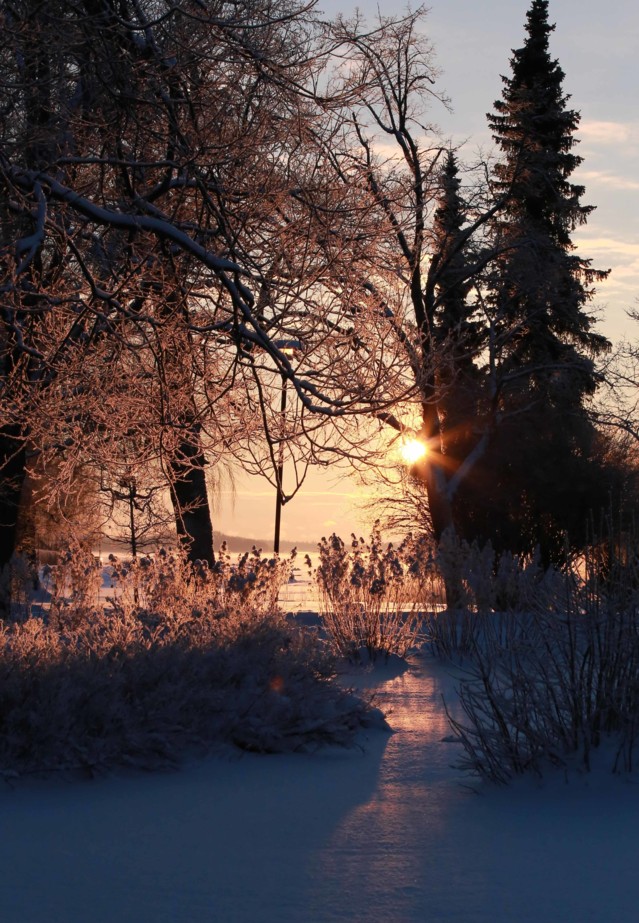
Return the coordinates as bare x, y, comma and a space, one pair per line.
412, 450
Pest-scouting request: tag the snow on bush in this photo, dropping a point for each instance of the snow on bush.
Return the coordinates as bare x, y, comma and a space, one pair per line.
480, 590
164, 579
152, 677
372, 598
384, 600
557, 682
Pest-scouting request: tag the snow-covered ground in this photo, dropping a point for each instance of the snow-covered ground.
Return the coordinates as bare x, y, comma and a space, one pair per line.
386, 834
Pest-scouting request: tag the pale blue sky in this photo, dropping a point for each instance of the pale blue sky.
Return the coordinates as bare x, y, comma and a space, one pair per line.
597, 45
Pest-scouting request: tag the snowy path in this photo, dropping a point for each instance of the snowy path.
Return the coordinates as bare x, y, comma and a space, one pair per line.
387, 836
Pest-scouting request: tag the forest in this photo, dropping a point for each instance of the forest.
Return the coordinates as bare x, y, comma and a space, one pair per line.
233, 236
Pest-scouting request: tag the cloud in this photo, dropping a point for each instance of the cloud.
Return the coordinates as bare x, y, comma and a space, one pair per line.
611, 180
617, 133
607, 251
625, 250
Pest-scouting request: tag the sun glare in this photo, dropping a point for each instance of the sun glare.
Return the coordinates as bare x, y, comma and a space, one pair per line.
412, 450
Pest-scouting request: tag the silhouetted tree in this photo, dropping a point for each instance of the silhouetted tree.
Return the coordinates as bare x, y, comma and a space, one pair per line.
457, 332
487, 298
428, 255
540, 477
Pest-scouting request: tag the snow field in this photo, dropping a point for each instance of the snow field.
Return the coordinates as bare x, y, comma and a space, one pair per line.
383, 834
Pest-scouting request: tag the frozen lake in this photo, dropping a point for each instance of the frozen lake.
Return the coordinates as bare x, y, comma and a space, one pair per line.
386, 834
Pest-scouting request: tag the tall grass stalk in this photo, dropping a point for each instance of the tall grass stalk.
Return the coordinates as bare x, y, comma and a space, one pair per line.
372, 597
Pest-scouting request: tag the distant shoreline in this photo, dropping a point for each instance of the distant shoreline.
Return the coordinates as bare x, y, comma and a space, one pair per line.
235, 544
239, 543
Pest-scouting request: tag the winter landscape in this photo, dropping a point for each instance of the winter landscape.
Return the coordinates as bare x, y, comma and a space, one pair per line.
259, 277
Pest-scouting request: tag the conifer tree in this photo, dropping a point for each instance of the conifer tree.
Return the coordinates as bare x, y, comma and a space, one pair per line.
542, 474
457, 336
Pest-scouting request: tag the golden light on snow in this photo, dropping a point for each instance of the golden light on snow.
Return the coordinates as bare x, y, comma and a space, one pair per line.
411, 450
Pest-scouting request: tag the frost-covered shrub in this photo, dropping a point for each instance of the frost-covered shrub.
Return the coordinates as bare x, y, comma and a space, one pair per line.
115, 690
554, 683
74, 585
152, 586
252, 579
480, 592
382, 599
451, 558
371, 596
477, 581
163, 669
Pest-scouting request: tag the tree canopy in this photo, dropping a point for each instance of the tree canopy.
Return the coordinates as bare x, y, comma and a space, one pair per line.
187, 188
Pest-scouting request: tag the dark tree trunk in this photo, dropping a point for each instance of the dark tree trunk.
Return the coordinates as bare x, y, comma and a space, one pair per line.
190, 500
440, 507
12, 476
432, 472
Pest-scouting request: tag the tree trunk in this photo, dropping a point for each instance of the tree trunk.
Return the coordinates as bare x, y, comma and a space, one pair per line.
190, 500
12, 473
439, 505
432, 473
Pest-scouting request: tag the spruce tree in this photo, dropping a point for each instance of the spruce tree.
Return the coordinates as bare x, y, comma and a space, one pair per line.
456, 334
542, 477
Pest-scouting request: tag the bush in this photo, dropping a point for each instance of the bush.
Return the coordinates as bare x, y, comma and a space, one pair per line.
74, 585
372, 598
162, 582
480, 592
556, 682
143, 683
383, 600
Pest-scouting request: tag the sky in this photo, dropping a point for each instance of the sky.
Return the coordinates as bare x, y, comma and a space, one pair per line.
598, 49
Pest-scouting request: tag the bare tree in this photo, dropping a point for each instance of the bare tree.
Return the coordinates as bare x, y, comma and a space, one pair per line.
395, 157
167, 220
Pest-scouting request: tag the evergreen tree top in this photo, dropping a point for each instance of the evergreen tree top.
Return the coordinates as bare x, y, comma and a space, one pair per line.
533, 59
538, 28
541, 284
449, 215
533, 68
535, 130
